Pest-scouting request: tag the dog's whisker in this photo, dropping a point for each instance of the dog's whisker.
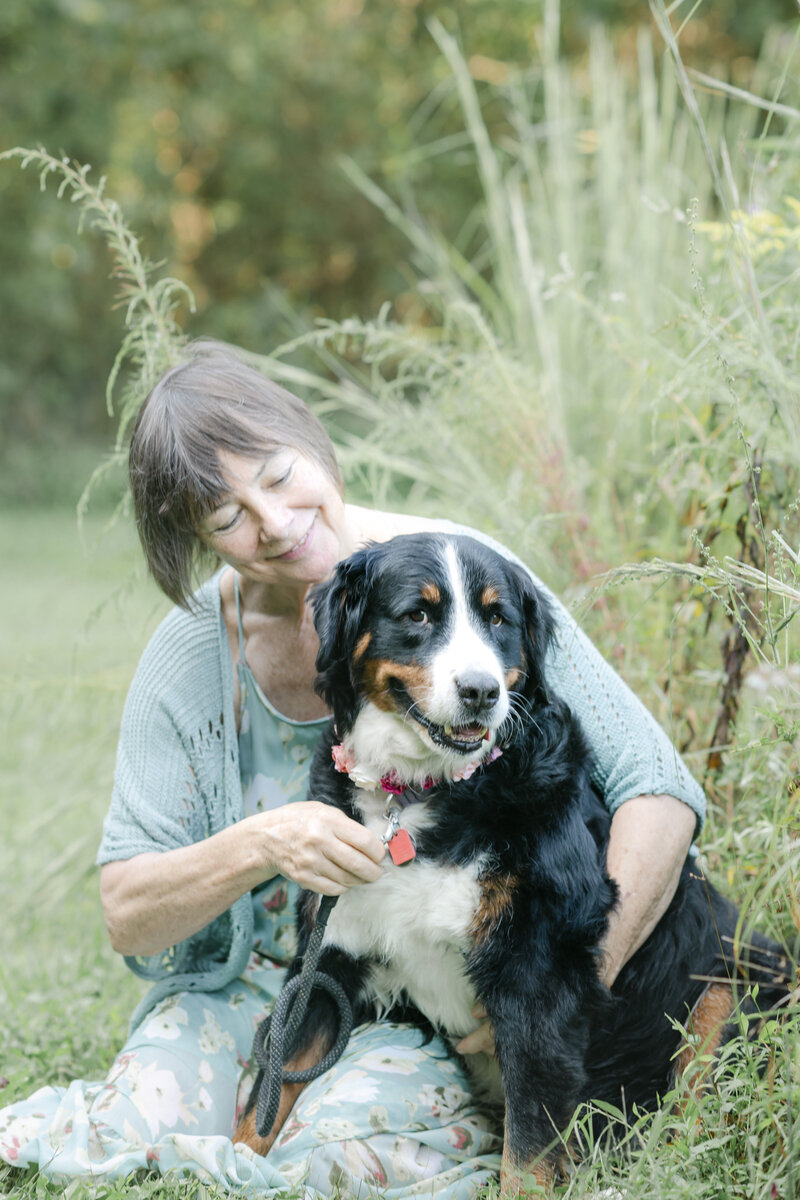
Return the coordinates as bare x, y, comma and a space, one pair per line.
408, 715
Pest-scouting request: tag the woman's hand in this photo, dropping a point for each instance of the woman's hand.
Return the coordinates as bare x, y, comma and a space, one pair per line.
318, 847
155, 900
481, 1040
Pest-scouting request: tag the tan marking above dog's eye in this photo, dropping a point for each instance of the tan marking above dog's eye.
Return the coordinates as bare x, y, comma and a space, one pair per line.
361, 645
430, 592
489, 596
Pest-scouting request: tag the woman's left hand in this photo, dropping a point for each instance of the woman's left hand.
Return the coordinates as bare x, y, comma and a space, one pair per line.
481, 1040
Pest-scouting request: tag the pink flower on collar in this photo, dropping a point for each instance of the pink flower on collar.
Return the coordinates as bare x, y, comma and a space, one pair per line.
469, 770
391, 782
342, 759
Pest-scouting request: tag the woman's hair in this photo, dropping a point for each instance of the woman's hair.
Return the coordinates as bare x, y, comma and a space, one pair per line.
211, 402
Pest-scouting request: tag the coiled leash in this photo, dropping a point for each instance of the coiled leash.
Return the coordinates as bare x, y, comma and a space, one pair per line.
283, 1022
290, 1007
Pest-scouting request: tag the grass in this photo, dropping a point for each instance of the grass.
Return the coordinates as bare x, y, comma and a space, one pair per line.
74, 622
602, 365
602, 370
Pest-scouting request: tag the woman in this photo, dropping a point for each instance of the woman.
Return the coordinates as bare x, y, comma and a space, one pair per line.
203, 846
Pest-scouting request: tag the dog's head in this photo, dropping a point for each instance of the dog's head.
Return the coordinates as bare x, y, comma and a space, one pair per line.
430, 644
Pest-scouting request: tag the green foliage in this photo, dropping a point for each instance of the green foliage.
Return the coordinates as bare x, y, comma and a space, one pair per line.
220, 128
71, 627
614, 376
152, 340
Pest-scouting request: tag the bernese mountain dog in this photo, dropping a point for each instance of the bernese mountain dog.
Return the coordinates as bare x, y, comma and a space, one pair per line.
448, 741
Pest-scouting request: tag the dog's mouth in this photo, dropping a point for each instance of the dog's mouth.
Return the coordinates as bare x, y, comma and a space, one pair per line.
463, 738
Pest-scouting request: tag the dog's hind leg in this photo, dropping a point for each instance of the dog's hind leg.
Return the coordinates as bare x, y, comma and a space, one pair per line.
705, 1031
247, 1131
324, 1028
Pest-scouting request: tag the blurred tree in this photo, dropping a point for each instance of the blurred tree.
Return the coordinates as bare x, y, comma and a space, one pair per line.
219, 128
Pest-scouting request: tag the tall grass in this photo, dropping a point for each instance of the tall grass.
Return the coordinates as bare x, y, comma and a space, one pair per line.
604, 369
604, 373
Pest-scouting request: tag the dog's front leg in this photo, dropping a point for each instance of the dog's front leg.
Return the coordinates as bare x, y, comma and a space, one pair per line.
516, 1180
541, 1037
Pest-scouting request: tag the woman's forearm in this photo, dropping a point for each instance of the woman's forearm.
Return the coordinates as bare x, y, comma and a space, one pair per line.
153, 901
156, 900
650, 838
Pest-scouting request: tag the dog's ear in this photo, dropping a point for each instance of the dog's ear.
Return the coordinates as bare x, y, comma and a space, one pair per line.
538, 632
339, 606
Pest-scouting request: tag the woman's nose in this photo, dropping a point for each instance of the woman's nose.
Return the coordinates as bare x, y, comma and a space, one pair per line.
273, 517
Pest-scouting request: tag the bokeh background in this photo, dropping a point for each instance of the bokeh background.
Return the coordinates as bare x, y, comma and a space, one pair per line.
220, 129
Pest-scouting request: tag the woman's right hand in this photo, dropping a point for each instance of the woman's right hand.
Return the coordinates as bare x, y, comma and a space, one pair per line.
317, 846
155, 900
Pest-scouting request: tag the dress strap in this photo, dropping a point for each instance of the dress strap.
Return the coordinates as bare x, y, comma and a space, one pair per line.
239, 614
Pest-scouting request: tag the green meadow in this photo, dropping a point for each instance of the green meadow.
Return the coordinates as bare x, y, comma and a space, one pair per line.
76, 614
73, 624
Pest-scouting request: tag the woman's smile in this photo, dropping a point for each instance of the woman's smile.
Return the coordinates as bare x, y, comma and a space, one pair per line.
299, 548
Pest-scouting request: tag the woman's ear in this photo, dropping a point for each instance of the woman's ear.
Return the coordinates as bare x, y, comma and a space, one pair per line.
339, 606
538, 632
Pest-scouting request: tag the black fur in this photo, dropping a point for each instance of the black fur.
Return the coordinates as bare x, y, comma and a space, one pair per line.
535, 822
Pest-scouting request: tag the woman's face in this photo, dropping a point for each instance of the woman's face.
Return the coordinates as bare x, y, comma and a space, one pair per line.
281, 521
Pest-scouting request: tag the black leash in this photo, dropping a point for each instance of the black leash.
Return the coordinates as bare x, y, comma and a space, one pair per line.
284, 1021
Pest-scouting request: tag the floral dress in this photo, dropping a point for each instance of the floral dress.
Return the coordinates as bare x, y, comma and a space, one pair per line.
394, 1114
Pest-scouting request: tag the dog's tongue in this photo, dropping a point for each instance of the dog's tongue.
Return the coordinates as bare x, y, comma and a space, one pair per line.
469, 733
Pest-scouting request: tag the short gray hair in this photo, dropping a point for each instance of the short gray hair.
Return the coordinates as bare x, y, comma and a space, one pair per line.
209, 403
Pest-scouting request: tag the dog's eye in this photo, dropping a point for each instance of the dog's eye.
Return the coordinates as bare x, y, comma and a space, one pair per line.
496, 619
419, 616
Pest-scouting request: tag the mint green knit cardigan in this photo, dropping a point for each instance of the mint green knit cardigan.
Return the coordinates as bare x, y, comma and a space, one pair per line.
177, 774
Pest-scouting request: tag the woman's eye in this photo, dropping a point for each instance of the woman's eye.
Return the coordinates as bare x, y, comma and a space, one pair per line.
284, 466
496, 619
227, 526
419, 616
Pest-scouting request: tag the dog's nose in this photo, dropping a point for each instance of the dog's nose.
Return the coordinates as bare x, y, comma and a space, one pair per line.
477, 691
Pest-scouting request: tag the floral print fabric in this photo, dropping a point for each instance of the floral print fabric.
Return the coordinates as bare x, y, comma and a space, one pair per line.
394, 1115
274, 757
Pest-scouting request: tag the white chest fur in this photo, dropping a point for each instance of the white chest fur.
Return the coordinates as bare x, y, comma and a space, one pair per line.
414, 922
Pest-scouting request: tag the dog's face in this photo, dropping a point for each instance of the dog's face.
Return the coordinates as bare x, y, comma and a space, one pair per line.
430, 641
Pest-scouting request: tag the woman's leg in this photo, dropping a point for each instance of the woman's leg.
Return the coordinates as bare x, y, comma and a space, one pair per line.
395, 1114
177, 1075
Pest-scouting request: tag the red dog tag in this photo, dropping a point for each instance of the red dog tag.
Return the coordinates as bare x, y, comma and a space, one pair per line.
401, 848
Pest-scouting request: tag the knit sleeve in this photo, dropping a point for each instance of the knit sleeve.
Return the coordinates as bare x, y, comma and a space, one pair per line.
176, 783
632, 754
159, 800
